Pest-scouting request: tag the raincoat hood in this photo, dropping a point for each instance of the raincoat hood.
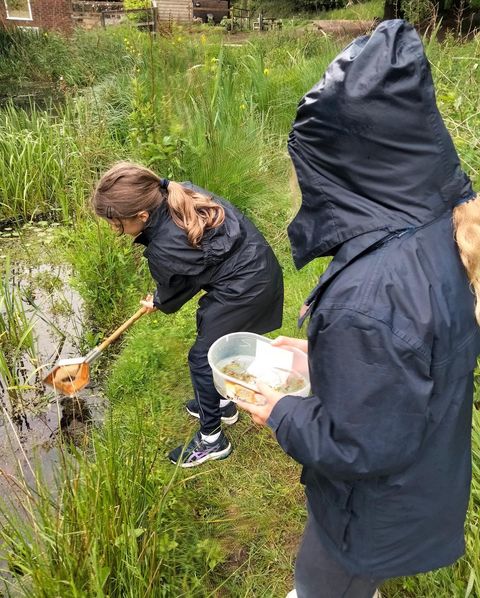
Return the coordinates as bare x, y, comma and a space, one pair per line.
371, 152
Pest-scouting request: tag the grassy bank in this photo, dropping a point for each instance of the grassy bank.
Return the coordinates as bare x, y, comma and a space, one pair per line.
125, 522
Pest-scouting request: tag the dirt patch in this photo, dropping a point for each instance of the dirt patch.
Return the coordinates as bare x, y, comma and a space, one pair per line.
335, 28
344, 28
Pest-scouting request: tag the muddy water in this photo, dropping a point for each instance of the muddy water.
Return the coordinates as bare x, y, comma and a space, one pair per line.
34, 421
29, 94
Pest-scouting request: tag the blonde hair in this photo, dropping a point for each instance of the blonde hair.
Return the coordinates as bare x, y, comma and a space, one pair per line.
466, 225
127, 189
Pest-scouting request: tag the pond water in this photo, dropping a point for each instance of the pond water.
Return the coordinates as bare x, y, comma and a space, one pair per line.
35, 422
30, 93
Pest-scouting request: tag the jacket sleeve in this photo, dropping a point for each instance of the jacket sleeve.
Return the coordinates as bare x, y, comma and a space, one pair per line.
369, 413
170, 298
173, 290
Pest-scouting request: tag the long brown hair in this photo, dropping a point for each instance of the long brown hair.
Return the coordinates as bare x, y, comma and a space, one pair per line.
466, 224
127, 189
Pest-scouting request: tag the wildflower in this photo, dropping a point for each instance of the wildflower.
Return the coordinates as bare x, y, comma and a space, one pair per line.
266, 72
243, 107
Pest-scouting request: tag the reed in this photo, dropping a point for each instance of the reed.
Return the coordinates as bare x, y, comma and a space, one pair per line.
18, 348
113, 529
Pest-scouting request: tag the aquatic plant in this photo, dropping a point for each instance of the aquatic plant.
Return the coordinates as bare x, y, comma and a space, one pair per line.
17, 341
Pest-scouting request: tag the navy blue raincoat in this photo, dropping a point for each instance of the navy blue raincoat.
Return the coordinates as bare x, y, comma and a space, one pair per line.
385, 439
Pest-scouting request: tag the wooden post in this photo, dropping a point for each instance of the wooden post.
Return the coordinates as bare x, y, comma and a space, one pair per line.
155, 18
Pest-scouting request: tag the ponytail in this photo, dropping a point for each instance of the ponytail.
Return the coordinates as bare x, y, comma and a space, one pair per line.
466, 224
193, 212
128, 188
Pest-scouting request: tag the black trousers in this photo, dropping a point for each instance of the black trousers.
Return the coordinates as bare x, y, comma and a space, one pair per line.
206, 395
215, 318
318, 575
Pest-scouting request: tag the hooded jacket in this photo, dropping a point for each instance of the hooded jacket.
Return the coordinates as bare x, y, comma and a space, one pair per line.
385, 438
234, 265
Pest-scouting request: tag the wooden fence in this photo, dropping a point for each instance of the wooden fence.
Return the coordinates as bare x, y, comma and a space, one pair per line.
95, 14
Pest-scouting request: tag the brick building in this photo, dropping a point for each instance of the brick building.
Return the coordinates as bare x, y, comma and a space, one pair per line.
37, 14
58, 14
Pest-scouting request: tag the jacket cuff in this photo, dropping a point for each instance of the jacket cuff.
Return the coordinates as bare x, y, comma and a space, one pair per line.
283, 409
156, 301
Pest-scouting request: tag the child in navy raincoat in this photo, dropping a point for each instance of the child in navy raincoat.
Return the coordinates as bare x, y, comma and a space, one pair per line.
196, 241
385, 438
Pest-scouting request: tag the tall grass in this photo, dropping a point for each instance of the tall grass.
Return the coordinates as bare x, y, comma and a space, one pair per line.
117, 526
364, 11
110, 274
34, 153
81, 60
17, 341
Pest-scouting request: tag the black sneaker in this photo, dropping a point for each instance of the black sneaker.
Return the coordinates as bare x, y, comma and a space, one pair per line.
229, 412
198, 451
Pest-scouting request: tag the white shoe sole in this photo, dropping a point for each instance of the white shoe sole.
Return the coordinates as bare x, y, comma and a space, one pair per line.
225, 420
210, 457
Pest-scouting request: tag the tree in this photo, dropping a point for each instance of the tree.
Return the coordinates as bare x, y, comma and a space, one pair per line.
450, 11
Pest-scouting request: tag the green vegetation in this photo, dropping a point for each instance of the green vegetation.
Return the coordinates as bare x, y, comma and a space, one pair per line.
364, 11
16, 338
124, 522
50, 58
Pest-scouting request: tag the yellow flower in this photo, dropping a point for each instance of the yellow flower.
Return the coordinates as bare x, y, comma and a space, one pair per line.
243, 107
266, 72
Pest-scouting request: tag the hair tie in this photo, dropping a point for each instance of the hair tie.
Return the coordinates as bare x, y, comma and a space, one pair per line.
164, 184
469, 197
109, 212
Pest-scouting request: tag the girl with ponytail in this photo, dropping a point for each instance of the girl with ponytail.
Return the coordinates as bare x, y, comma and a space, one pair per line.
195, 241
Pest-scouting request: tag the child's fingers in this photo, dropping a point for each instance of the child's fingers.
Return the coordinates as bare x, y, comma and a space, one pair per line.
148, 304
250, 407
290, 341
257, 413
263, 390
